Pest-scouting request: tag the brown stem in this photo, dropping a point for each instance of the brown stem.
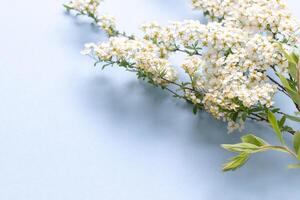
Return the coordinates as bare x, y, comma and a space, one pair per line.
281, 88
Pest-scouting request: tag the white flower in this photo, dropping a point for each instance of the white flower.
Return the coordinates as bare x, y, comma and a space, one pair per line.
107, 23
88, 48
88, 7
192, 64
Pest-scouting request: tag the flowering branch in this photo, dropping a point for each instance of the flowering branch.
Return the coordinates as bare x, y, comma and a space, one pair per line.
226, 62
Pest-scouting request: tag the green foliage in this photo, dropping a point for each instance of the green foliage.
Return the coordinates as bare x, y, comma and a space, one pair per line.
293, 118
282, 121
273, 122
241, 147
296, 142
288, 85
236, 162
252, 139
252, 144
293, 70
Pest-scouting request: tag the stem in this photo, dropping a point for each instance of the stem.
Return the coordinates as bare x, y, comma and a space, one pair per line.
281, 88
253, 118
181, 86
282, 148
174, 93
186, 51
260, 117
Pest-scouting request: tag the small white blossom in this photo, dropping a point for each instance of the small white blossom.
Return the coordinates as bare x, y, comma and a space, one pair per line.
144, 54
192, 64
107, 23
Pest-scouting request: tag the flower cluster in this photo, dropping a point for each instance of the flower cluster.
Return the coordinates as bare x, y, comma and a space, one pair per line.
192, 65
84, 7
134, 54
270, 16
227, 59
227, 63
89, 7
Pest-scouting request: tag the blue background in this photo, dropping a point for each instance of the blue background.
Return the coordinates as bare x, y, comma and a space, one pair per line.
71, 131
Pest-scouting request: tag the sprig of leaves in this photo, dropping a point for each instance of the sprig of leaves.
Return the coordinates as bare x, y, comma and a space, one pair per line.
252, 144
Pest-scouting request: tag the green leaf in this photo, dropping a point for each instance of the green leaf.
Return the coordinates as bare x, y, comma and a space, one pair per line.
293, 70
236, 162
251, 148
273, 121
252, 139
296, 142
295, 57
292, 93
284, 81
282, 121
234, 116
293, 118
287, 129
244, 116
289, 57
241, 147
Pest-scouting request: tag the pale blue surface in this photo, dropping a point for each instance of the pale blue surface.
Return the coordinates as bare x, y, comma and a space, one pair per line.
70, 131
